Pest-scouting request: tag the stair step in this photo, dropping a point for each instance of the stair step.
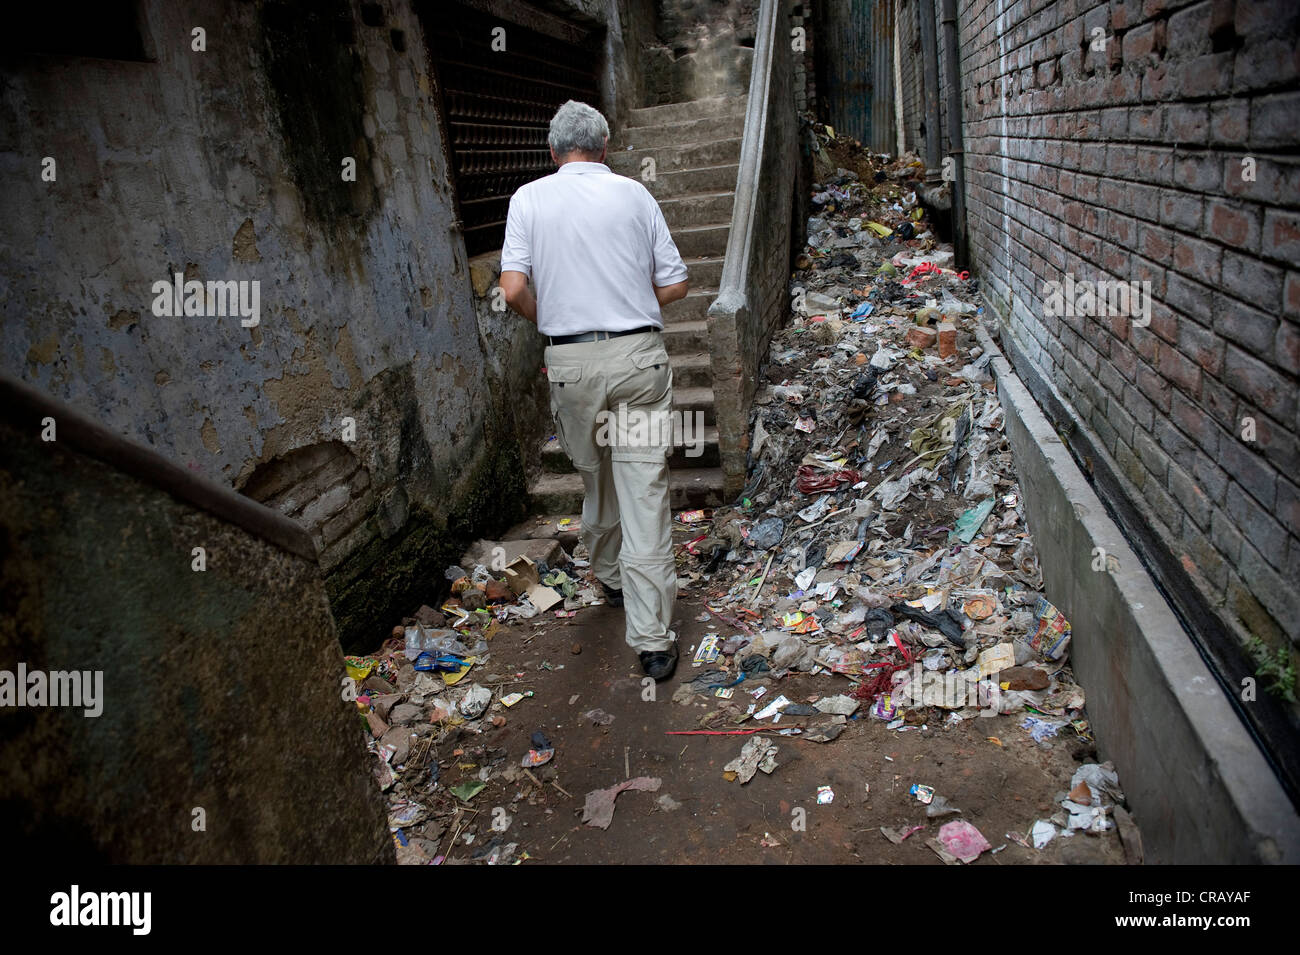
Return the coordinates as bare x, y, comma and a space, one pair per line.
693, 308
680, 131
695, 398
711, 152
549, 527
701, 453
697, 208
687, 488
691, 369
683, 182
708, 238
691, 109
705, 271
686, 336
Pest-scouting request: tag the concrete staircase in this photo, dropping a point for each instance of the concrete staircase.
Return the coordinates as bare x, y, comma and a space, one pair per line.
695, 147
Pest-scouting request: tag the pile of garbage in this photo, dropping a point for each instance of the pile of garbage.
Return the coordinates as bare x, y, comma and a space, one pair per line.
429, 694
881, 537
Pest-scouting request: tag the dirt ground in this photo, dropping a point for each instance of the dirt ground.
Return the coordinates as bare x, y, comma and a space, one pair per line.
990, 768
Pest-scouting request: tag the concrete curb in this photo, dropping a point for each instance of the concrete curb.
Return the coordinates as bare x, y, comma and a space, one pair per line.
1196, 783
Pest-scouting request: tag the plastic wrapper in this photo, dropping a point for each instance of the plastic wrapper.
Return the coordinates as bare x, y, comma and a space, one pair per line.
814, 480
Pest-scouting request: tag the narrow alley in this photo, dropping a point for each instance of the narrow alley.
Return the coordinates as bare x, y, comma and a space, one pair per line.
980, 414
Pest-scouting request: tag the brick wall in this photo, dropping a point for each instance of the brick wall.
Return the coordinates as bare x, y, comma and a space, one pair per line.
913, 78
1164, 152
805, 81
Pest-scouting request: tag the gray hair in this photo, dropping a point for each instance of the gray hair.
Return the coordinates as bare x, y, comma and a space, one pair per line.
577, 127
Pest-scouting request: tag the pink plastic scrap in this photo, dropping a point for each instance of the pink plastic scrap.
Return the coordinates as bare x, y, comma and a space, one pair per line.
963, 840
599, 809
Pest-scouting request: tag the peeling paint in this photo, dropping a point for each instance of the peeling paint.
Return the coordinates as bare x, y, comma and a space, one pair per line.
123, 318
44, 352
209, 433
244, 248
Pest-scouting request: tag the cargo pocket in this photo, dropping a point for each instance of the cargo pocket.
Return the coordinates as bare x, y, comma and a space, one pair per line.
563, 374
646, 427
559, 377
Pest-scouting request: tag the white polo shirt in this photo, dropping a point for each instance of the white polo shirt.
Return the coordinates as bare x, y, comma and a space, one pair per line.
594, 245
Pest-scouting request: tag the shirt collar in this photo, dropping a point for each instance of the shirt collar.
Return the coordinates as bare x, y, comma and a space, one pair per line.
578, 168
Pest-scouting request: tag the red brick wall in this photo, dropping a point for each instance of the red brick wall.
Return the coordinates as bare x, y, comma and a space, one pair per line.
1125, 163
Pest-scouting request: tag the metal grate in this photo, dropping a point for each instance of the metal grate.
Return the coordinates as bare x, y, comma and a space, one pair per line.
496, 106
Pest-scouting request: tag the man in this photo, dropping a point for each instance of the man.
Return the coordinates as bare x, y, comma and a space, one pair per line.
602, 263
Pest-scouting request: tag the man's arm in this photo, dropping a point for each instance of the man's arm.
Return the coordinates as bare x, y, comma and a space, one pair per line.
519, 296
668, 264
671, 293
517, 259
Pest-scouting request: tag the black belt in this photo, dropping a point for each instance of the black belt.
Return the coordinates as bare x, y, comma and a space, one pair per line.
598, 336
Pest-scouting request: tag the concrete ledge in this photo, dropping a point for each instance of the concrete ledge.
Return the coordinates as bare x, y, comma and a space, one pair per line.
1196, 782
743, 316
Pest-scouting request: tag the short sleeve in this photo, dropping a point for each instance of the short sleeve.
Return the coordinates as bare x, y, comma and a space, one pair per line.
516, 255
669, 269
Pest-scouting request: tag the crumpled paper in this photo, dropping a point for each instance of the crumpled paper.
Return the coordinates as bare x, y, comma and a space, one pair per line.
757, 754
598, 810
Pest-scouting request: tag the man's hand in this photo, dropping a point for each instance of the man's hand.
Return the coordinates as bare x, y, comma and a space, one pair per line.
664, 293
514, 285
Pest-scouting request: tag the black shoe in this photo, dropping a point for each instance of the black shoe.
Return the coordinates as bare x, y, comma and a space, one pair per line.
612, 594
659, 664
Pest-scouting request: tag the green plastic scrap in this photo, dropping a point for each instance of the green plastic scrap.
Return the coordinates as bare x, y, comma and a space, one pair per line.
467, 791
970, 522
935, 440
559, 580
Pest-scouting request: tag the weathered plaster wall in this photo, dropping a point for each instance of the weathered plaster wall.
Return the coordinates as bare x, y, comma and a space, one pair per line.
220, 687
514, 350
226, 164
631, 28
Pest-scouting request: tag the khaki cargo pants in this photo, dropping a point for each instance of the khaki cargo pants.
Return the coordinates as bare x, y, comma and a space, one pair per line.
612, 401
